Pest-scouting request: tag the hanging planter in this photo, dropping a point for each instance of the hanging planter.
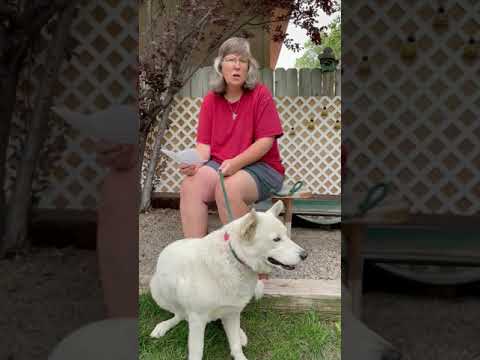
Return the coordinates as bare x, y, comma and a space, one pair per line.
409, 48
364, 66
324, 112
310, 123
291, 131
338, 125
470, 51
440, 21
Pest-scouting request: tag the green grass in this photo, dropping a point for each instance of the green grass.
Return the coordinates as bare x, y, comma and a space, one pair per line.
271, 336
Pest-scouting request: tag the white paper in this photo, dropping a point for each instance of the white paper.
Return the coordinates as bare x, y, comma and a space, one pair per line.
117, 124
188, 156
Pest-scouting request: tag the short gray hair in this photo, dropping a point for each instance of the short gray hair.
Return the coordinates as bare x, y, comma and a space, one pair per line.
234, 45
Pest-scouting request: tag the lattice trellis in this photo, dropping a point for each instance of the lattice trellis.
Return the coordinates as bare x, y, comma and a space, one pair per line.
418, 117
310, 147
100, 74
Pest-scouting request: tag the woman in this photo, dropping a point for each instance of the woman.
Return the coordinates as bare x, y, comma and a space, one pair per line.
237, 131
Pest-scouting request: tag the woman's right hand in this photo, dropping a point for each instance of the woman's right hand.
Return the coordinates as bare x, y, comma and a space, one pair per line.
189, 170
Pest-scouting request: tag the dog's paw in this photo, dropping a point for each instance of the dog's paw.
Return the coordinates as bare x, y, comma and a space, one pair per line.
243, 338
159, 330
259, 289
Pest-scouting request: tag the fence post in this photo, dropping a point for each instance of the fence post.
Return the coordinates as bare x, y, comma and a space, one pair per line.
196, 84
266, 76
206, 73
292, 82
338, 82
305, 82
316, 82
329, 83
280, 82
185, 91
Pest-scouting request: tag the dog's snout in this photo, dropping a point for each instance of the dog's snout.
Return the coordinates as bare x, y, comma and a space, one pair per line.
303, 255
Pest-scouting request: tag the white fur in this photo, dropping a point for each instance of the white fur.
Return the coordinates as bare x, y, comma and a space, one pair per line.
199, 280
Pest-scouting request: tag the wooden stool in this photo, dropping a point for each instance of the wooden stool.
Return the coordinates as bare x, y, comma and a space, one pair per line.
288, 203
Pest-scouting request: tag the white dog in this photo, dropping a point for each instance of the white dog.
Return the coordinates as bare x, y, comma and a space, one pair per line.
201, 280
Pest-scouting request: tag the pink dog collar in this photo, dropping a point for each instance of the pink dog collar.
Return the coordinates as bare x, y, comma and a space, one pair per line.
226, 237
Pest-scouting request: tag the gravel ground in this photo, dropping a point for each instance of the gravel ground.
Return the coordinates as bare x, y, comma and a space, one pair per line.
44, 296
426, 328
160, 227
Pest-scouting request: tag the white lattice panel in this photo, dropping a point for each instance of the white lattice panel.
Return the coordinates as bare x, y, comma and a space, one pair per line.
418, 118
310, 147
100, 73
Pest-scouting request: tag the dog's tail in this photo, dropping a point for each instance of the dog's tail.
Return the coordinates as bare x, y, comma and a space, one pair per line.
259, 290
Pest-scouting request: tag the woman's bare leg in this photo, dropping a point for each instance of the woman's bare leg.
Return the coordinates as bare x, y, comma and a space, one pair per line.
195, 194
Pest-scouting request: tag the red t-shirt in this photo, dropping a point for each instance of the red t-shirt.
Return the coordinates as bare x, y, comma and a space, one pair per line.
257, 118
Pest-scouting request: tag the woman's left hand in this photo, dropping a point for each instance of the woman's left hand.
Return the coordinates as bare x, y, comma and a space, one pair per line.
229, 167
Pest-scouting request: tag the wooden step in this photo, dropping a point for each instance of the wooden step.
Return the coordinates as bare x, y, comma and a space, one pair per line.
289, 295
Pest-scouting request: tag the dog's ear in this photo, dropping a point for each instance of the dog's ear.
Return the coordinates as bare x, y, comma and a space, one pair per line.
277, 208
248, 226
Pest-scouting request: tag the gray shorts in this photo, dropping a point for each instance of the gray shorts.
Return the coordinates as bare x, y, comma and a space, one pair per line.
268, 180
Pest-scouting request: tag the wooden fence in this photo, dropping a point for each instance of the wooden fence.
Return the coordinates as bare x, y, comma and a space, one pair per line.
281, 82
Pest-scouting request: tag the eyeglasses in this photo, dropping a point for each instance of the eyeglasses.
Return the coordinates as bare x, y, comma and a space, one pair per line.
234, 60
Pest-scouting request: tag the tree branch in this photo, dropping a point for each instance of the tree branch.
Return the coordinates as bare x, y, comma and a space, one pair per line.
195, 28
34, 27
276, 20
219, 42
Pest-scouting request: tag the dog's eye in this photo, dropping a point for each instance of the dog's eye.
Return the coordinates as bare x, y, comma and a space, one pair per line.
277, 239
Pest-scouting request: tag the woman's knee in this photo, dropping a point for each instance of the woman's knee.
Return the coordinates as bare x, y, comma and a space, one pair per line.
199, 186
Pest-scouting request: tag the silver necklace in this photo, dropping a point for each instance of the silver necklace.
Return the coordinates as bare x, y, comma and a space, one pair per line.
234, 112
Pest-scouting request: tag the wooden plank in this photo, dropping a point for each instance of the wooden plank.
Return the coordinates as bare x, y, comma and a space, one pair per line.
316, 82
292, 296
292, 82
289, 295
338, 82
266, 76
307, 288
205, 79
280, 82
329, 83
185, 91
305, 82
196, 88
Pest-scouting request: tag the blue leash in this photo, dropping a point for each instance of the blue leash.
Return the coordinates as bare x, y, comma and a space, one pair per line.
227, 203
295, 187
374, 196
